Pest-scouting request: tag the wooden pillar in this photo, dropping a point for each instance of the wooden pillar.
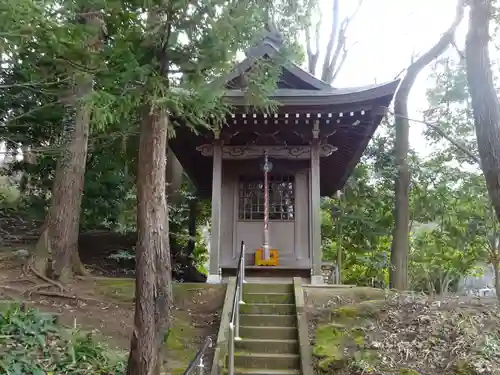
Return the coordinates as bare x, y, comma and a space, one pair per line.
316, 277
214, 263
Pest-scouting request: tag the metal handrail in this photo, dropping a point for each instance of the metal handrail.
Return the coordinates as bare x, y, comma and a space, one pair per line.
234, 324
197, 361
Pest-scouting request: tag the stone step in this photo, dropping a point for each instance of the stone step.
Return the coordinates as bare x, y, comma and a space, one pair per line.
260, 332
267, 361
257, 371
254, 287
268, 320
268, 308
267, 346
284, 298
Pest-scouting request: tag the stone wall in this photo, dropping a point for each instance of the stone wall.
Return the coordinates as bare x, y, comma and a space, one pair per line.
329, 273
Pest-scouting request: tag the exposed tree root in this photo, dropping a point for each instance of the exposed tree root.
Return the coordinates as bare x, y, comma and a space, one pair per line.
84, 278
68, 296
12, 294
23, 279
30, 291
3, 258
11, 288
46, 279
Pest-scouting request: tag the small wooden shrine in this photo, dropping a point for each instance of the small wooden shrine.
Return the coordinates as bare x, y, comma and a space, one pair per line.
267, 172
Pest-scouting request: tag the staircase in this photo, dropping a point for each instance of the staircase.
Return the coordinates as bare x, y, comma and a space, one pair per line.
268, 329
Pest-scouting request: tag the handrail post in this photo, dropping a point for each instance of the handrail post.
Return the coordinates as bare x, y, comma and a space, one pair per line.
201, 366
197, 361
240, 284
234, 325
242, 272
237, 317
230, 351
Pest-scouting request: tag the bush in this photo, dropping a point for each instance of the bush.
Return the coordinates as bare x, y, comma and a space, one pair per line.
9, 194
32, 343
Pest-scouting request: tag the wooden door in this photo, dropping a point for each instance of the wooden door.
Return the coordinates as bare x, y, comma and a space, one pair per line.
250, 221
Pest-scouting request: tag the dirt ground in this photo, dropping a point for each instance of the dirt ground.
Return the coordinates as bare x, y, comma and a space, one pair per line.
104, 306
356, 331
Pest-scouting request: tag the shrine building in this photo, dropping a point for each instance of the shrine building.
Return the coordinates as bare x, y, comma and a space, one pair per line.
266, 173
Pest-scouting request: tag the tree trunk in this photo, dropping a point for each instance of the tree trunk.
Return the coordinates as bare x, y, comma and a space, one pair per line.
340, 245
193, 213
57, 249
400, 239
153, 267
336, 48
444, 284
430, 284
29, 158
496, 268
484, 99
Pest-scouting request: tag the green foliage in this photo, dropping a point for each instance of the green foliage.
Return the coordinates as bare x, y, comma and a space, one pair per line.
31, 343
9, 194
452, 225
454, 203
179, 216
360, 222
175, 66
109, 192
451, 192
123, 254
146, 64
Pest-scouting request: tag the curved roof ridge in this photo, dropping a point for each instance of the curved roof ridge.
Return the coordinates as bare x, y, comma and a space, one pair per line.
319, 82
364, 87
322, 97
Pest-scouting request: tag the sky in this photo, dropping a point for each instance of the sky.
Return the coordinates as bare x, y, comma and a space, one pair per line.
387, 33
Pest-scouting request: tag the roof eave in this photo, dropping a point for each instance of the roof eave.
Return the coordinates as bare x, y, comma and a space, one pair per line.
288, 97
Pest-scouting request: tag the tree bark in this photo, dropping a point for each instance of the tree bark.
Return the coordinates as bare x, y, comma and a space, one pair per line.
336, 48
57, 249
193, 214
153, 290
153, 266
484, 99
496, 270
400, 239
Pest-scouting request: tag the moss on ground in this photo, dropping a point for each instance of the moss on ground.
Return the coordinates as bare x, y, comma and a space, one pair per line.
329, 346
189, 298
180, 341
360, 333
123, 290
341, 346
361, 310
463, 368
408, 371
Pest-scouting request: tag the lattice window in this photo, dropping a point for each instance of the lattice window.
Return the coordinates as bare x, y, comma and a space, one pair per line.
281, 198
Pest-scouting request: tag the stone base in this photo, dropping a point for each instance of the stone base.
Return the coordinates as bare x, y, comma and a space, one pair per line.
214, 279
317, 280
